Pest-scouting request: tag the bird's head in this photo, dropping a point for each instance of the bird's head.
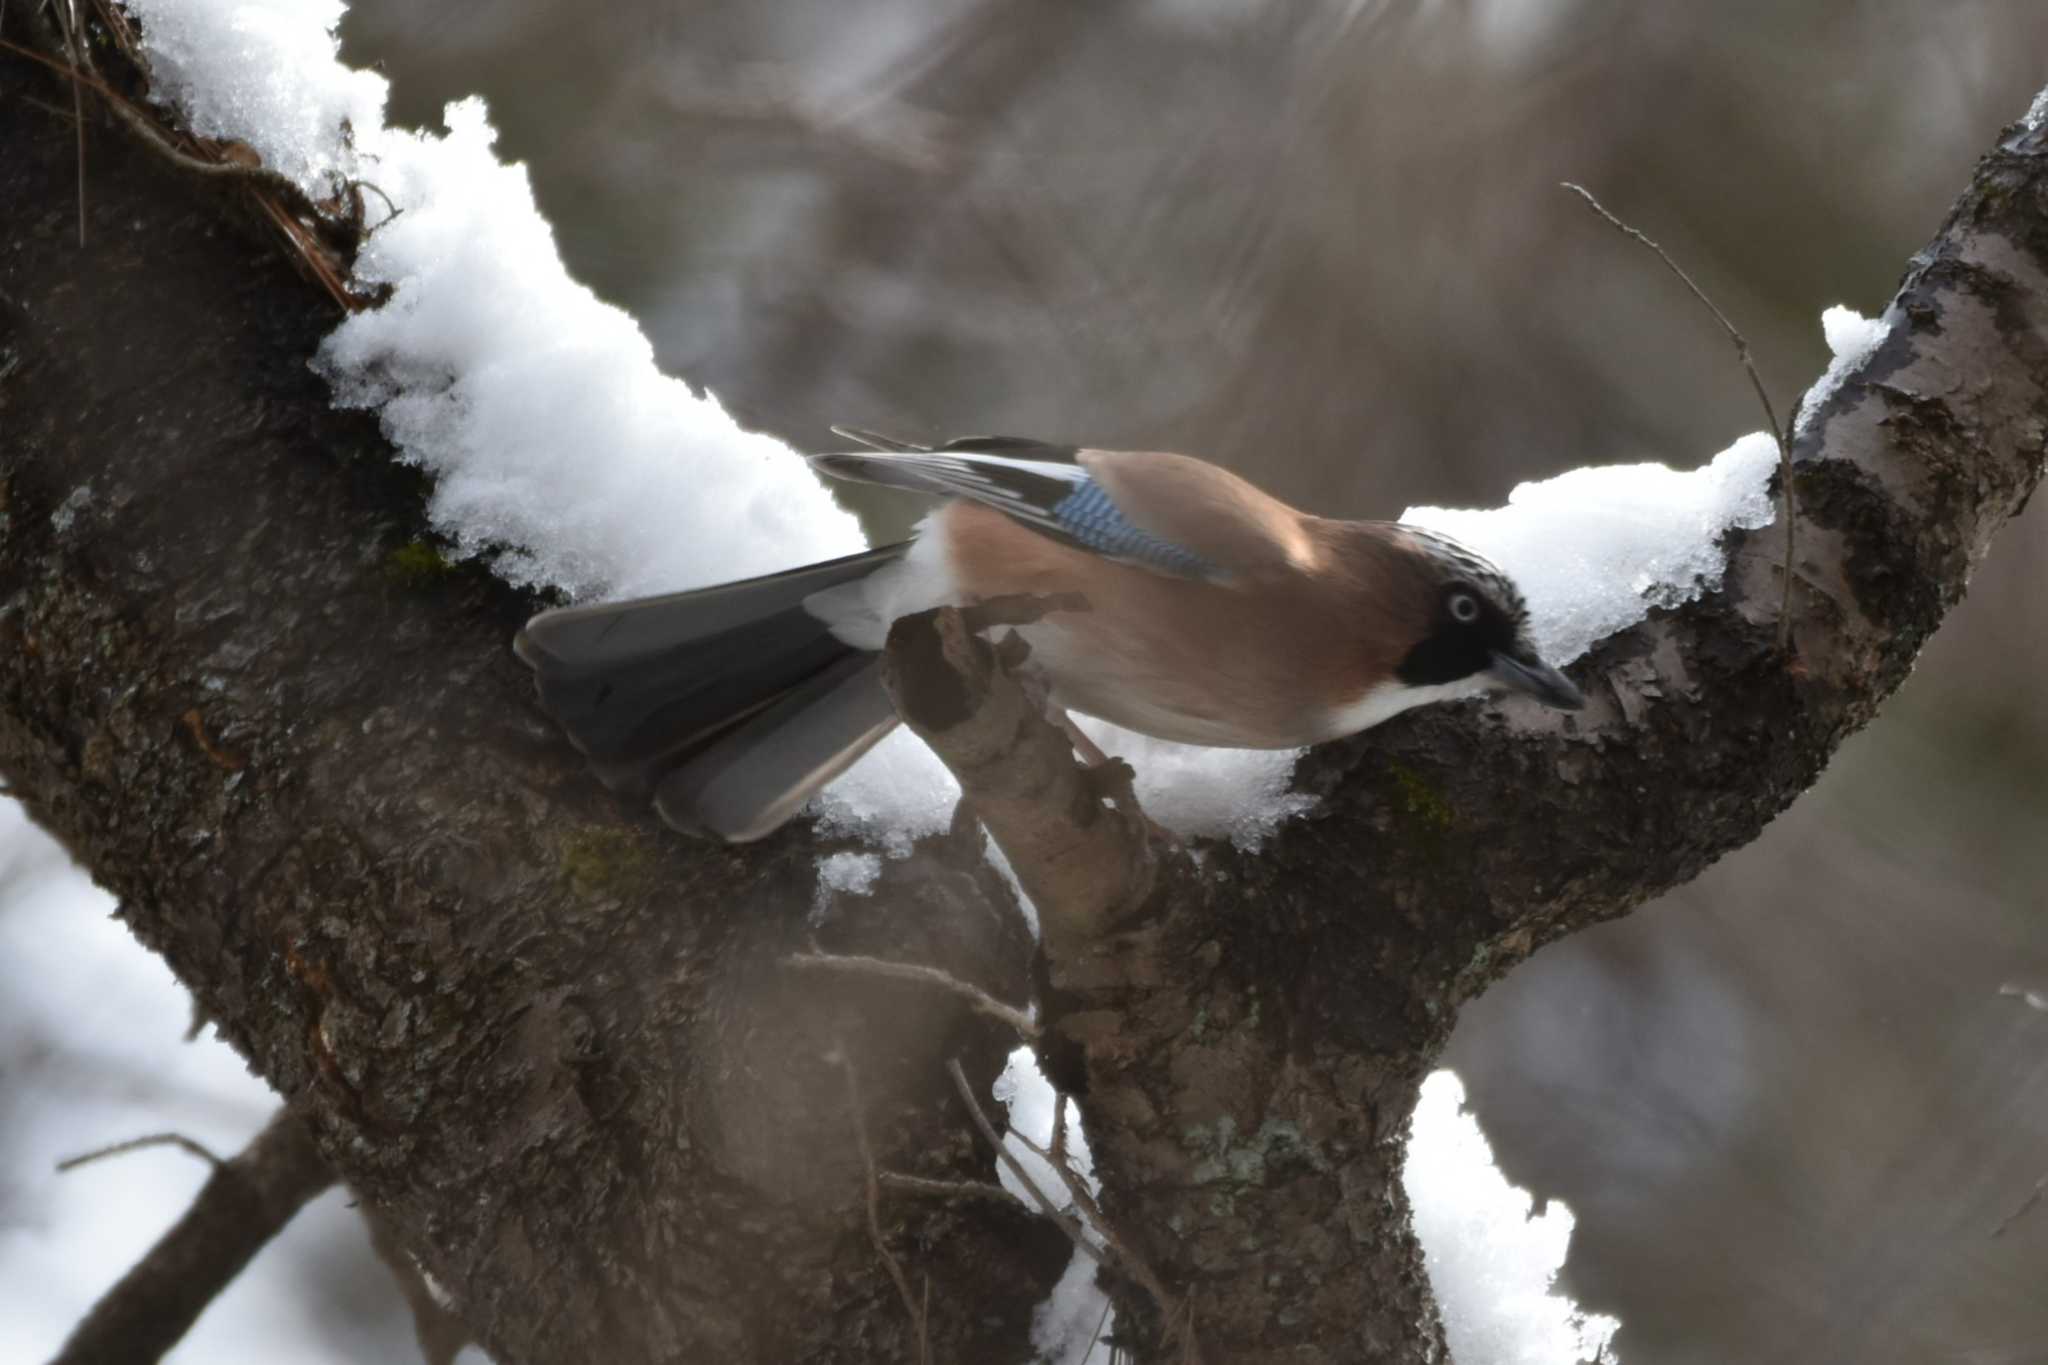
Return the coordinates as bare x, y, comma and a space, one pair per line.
1475, 628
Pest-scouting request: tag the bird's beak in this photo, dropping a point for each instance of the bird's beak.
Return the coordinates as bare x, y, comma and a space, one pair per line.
1528, 674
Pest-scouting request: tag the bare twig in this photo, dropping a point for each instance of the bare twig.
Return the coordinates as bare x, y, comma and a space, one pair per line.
1059, 1130
70, 26
1024, 1140
977, 998
179, 1140
945, 1189
1093, 1220
1780, 432
239, 1208
118, 27
391, 210
1065, 1221
61, 115
255, 174
2027, 1204
1097, 1221
874, 1192
1095, 1337
276, 195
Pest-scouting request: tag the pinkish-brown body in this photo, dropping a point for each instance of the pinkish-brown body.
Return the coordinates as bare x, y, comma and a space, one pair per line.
1227, 662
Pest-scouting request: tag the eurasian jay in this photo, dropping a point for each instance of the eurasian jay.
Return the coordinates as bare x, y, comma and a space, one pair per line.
1215, 614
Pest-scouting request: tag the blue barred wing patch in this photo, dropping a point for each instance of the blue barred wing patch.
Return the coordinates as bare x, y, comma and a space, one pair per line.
1093, 521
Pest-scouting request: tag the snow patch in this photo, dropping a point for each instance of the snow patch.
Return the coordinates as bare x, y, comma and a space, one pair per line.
1851, 339
1593, 550
851, 874
266, 73
1492, 1264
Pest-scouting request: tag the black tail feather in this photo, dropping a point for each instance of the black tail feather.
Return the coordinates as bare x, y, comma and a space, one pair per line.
734, 691
747, 781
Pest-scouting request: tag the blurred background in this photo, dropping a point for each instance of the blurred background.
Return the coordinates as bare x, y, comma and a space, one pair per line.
1322, 242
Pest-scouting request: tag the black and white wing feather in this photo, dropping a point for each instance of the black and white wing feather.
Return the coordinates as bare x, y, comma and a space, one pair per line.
1033, 483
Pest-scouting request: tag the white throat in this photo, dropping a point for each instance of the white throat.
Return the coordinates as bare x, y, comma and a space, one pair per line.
1391, 698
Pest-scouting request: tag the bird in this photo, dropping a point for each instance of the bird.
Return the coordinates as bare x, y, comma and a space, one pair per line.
1197, 608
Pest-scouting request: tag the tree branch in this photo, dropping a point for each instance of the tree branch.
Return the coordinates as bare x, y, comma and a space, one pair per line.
1084, 863
178, 1140
557, 1046
979, 1000
242, 1205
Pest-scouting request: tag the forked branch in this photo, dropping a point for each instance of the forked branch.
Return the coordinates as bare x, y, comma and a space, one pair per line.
246, 1200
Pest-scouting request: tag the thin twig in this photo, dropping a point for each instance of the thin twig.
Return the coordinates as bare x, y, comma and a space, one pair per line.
179, 1140
1024, 1140
77, 105
61, 115
874, 1189
118, 26
1095, 1337
2033, 1198
1780, 432
977, 998
270, 186
126, 110
1093, 1219
1097, 1221
1059, 1130
1066, 1223
945, 1189
924, 1323
391, 210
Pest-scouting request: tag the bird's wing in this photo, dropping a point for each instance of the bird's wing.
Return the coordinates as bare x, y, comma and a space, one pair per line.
1171, 514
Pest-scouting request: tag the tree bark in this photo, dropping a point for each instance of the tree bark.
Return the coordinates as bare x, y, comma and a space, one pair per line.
559, 1048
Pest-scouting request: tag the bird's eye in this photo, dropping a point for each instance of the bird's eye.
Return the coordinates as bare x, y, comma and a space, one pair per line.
1464, 608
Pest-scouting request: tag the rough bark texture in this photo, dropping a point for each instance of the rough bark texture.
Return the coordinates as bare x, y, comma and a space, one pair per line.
245, 1202
556, 1046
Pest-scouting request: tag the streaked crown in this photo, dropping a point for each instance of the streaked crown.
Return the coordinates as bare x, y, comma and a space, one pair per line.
1459, 562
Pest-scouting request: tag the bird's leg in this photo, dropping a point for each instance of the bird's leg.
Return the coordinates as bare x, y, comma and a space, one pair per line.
1112, 778
1090, 752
